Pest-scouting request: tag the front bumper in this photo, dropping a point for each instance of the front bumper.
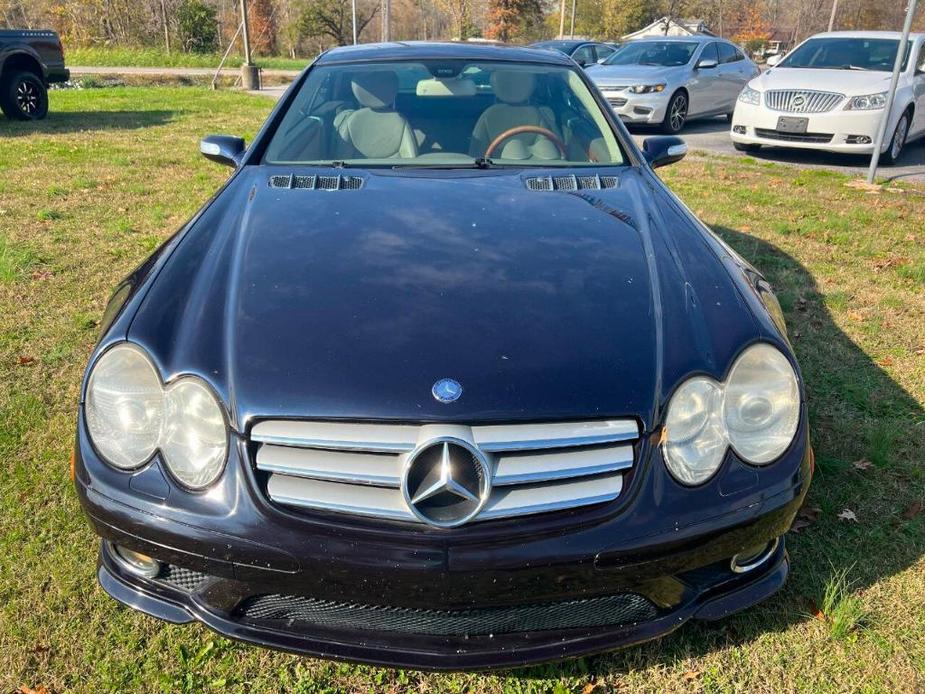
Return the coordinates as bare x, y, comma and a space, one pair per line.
832, 131
638, 108
498, 594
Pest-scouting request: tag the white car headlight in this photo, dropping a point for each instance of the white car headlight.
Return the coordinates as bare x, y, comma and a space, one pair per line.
868, 102
646, 88
131, 414
750, 96
756, 412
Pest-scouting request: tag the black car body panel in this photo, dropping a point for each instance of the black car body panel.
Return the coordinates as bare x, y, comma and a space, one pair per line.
346, 306
39, 49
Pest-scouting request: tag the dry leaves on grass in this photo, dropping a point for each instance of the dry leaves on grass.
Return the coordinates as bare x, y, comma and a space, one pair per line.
862, 464
913, 510
24, 689
25, 360
806, 516
848, 515
690, 675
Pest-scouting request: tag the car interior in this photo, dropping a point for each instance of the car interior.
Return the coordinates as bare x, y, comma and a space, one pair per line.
444, 114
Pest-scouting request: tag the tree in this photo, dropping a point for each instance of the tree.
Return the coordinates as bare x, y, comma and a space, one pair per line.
509, 19
261, 15
333, 18
754, 30
460, 12
197, 26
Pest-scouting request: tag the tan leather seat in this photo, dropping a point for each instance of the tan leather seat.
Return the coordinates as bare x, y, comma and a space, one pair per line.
375, 131
513, 90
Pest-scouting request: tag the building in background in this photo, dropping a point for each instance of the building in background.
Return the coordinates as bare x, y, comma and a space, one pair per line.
668, 26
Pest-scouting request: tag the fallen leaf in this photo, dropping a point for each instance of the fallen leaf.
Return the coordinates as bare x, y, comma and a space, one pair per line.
589, 687
690, 675
848, 515
23, 689
801, 304
815, 611
42, 274
25, 360
886, 361
806, 516
913, 510
862, 464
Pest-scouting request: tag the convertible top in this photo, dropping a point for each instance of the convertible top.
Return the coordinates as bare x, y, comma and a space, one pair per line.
430, 50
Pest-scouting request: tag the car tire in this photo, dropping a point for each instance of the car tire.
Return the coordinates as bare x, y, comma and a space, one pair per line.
23, 96
894, 150
745, 147
676, 113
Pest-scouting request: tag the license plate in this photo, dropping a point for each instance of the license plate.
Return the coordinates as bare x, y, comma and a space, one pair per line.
786, 124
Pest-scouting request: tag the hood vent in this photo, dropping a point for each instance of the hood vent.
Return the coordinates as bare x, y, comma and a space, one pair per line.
317, 182
551, 183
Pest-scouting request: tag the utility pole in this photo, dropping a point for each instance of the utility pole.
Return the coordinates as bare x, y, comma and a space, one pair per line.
250, 74
386, 11
562, 20
571, 32
166, 30
832, 16
891, 94
353, 9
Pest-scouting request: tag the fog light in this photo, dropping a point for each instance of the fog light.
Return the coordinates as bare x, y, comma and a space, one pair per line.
858, 139
738, 129
753, 557
642, 110
135, 562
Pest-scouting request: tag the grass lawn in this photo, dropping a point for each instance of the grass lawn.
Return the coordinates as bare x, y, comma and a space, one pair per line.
153, 57
87, 194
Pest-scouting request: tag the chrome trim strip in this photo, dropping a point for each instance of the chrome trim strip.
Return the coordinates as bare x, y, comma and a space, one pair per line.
528, 500
528, 437
378, 502
530, 468
334, 445
758, 561
332, 465
539, 444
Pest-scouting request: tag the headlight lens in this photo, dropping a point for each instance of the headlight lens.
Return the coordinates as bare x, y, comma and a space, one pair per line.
756, 411
762, 404
125, 407
647, 88
131, 414
750, 96
695, 438
868, 102
195, 440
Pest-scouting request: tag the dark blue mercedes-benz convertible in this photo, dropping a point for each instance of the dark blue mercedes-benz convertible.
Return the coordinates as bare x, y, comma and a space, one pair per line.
443, 377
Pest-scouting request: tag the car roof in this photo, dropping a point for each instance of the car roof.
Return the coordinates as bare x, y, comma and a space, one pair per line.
697, 38
430, 50
865, 35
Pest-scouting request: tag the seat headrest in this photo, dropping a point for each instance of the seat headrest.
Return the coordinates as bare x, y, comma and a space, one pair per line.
513, 87
375, 90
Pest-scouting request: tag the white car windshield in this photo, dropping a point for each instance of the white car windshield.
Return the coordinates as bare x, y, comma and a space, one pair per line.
660, 53
451, 113
846, 53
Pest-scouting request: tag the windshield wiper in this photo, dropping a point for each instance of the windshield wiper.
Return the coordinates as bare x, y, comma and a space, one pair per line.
850, 67
479, 163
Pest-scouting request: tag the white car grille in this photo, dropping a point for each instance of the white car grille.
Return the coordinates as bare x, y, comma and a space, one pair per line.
357, 468
801, 100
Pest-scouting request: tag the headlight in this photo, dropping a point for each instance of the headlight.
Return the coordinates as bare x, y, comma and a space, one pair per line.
646, 88
131, 414
868, 102
750, 96
756, 412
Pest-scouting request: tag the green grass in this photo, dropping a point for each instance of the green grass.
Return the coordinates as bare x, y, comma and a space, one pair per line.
153, 57
85, 195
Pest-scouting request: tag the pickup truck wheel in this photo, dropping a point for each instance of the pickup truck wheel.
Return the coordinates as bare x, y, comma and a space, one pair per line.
23, 97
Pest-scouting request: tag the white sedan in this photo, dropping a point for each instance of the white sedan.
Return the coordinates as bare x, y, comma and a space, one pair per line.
829, 93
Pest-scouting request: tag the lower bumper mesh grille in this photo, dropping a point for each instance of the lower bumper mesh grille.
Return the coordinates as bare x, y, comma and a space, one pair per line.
178, 577
613, 610
820, 138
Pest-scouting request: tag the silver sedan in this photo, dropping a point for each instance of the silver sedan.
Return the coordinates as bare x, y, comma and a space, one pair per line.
669, 80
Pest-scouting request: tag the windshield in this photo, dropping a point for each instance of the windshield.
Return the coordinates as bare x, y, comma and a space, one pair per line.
561, 46
445, 114
845, 53
661, 53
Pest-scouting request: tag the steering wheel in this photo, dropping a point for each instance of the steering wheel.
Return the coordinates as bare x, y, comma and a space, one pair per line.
548, 134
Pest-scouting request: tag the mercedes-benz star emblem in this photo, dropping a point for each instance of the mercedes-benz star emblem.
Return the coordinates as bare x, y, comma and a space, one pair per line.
446, 390
446, 482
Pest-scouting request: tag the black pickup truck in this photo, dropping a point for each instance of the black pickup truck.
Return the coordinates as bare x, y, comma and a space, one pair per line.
29, 62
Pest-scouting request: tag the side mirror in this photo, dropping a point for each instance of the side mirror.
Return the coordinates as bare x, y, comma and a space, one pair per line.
706, 64
663, 150
223, 149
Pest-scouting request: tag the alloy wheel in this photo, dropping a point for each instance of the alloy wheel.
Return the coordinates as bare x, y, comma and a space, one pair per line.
899, 138
678, 112
27, 98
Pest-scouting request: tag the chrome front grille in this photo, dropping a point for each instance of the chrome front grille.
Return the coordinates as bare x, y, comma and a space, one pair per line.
801, 100
358, 468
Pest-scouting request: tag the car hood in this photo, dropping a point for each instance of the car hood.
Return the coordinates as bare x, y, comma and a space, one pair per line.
353, 303
624, 75
848, 82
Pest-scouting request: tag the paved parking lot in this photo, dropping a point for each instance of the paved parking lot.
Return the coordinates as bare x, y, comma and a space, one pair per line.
712, 135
